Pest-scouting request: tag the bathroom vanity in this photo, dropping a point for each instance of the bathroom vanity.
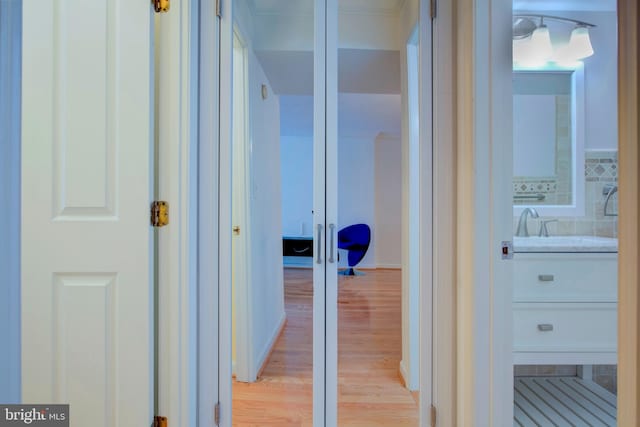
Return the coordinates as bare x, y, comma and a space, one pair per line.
565, 300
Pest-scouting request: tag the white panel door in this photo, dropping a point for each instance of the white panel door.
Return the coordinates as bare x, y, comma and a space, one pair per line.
87, 299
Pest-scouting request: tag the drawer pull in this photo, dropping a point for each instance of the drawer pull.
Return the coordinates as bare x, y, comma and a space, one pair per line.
545, 277
545, 327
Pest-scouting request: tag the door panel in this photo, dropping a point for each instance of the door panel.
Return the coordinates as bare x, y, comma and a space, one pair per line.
373, 310
276, 149
86, 240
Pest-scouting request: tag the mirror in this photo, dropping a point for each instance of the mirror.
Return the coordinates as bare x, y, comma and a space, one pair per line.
548, 141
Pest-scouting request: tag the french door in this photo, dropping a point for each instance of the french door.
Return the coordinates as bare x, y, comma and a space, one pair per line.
281, 135
276, 88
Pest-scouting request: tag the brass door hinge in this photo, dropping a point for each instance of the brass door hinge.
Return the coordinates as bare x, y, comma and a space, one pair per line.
433, 416
219, 8
159, 213
433, 9
160, 421
160, 5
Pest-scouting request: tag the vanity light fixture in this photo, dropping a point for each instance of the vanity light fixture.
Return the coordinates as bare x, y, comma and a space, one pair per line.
580, 43
532, 45
540, 43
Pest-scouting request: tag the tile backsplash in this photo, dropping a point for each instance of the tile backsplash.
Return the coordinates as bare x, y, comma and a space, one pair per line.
601, 169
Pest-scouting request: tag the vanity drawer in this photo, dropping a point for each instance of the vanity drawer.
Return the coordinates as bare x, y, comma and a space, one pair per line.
565, 277
564, 327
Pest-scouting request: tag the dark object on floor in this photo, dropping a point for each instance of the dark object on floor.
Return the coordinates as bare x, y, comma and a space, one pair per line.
355, 239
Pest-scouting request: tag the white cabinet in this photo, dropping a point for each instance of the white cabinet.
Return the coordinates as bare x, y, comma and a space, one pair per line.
565, 308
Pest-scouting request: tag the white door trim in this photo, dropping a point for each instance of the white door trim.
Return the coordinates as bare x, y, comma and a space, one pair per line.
444, 383
10, 113
224, 213
176, 100
426, 208
208, 260
244, 364
485, 391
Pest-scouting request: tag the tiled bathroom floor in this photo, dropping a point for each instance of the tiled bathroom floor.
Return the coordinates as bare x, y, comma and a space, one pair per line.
562, 401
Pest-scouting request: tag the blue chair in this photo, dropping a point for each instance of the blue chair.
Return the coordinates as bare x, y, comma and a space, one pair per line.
355, 239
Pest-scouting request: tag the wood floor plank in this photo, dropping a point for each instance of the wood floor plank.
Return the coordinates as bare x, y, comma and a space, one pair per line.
370, 391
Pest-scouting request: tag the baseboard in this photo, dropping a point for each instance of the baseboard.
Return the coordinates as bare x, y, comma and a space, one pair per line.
404, 376
268, 349
389, 266
402, 370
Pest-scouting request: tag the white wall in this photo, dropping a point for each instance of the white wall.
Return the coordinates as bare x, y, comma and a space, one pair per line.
601, 77
388, 202
10, 48
370, 189
267, 288
297, 185
356, 186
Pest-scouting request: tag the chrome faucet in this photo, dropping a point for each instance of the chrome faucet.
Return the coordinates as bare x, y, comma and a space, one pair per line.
522, 230
544, 231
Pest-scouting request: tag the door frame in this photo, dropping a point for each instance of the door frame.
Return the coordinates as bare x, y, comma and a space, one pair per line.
244, 364
484, 213
453, 61
629, 203
479, 92
177, 47
325, 11
209, 338
10, 189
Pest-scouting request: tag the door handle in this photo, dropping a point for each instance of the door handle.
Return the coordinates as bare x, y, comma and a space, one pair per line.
545, 327
332, 227
319, 258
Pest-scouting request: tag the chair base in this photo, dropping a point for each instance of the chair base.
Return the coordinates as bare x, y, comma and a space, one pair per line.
350, 272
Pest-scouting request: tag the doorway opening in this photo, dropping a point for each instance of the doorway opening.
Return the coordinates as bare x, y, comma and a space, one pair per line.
274, 237
565, 183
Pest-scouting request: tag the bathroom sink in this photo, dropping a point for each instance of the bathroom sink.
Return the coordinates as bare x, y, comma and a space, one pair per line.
565, 244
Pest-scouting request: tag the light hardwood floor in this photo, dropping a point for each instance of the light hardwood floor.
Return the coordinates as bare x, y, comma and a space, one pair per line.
370, 391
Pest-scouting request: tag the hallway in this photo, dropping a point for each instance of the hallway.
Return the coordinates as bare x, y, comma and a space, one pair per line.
370, 389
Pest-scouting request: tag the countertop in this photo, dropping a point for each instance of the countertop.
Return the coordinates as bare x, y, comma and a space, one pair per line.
565, 244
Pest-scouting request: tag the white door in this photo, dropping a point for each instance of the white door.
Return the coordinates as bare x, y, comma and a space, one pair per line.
87, 294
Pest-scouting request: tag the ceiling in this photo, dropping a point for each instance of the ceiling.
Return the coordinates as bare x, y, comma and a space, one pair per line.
557, 5
368, 79
289, 7
359, 71
368, 73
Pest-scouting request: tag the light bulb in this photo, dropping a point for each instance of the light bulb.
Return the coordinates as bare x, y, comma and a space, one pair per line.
541, 49
579, 43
